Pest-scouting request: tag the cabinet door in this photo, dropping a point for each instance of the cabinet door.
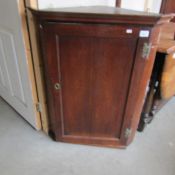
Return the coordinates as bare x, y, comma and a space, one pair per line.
88, 70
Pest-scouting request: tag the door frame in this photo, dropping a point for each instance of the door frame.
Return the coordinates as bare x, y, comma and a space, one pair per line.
37, 64
30, 70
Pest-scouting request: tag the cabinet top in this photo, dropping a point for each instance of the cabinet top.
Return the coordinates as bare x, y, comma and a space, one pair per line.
101, 14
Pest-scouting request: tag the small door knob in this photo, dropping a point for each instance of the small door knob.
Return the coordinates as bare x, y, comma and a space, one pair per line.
57, 86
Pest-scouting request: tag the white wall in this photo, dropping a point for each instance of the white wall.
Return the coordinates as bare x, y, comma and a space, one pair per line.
152, 5
155, 5
142, 5
72, 3
133, 4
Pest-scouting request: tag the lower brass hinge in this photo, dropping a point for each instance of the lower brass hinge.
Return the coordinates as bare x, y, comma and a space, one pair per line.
128, 133
38, 107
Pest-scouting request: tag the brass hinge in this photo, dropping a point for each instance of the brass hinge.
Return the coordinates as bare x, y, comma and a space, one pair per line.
41, 26
38, 107
146, 50
128, 133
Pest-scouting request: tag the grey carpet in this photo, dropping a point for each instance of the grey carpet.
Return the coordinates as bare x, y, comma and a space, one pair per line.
23, 151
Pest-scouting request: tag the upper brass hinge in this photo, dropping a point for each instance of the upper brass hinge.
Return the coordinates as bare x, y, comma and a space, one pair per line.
146, 50
38, 107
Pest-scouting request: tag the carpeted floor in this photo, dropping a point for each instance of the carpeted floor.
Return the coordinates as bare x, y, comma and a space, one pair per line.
24, 151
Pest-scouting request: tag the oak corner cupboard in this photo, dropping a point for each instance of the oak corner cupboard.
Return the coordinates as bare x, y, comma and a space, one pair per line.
97, 65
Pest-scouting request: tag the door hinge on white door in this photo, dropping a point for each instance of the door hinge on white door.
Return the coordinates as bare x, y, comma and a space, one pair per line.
38, 107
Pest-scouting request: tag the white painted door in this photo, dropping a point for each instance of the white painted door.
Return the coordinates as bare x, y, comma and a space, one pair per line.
15, 79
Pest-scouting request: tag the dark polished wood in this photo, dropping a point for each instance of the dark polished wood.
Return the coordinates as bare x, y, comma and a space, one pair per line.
118, 3
154, 102
95, 57
168, 6
160, 86
99, 14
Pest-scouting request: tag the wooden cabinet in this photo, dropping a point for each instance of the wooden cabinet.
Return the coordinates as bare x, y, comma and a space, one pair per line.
97, 64
168, 6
